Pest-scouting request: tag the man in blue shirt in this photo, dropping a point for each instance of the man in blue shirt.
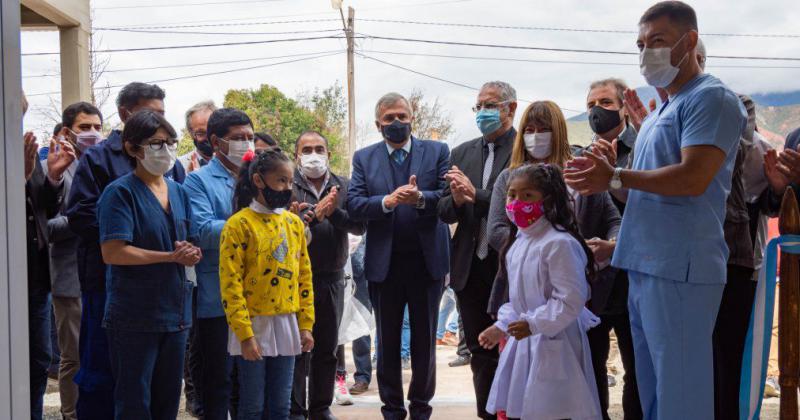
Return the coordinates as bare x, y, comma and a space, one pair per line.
99, 166
671, 240
210, 190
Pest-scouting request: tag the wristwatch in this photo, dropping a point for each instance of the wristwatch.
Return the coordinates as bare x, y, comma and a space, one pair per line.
420, 200
616, 181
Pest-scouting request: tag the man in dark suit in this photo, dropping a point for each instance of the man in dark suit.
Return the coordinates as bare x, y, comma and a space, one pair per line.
465, 201
395, 188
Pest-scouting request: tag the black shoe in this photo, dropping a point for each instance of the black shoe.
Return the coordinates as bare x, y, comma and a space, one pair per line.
460, 361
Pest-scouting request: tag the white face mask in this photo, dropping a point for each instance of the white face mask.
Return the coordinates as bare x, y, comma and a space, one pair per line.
314, 165
656, 66
538, 144
159, 162
237, 150
86, 139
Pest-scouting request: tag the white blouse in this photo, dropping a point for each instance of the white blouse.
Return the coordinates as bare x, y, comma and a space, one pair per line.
277, 335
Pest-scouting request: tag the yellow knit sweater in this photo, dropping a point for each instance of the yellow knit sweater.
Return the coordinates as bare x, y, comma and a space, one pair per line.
264, 269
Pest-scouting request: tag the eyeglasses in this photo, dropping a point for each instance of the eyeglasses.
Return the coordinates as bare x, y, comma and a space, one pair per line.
488, 105
158, 144
250, 139
200, 134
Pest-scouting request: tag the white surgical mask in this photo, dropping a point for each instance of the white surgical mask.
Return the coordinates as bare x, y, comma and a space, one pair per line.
159, 162
237, 149
314, 165
656, 66
86, 139
538, 144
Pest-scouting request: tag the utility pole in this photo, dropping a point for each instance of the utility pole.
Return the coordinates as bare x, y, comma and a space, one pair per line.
351, 80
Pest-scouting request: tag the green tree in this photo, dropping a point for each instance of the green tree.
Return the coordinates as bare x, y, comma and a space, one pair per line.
431, 121
285, 118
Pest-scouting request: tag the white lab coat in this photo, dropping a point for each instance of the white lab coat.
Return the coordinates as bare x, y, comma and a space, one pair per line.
548, 375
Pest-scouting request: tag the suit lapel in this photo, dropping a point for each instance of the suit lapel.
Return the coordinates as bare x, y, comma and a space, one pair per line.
383, 156
417, 153
473, 163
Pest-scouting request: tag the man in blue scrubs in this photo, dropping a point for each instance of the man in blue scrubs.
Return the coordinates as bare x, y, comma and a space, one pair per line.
672, 241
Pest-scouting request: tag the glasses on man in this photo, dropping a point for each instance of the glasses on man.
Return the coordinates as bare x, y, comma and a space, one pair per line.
158, 144
200, 135
242, 138
488, 105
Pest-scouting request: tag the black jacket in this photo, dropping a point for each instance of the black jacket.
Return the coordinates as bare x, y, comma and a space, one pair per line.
42, 201
329, 247
469, 157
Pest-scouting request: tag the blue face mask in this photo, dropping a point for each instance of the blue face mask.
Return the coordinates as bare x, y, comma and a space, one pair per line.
488, 120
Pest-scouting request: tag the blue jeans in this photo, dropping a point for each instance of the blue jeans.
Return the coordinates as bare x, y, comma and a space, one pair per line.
446, 309
39, 347
265, 388
405, 338
361, 358
148, 371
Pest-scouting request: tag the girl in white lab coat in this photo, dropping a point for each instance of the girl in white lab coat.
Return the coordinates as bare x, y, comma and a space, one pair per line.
545, 370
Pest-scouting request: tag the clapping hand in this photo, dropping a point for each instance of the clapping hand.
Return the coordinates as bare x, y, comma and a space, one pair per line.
789, 161
60, 155
606, 149
186, 254
327, 205
406, 194
31, 154
776, 177
588, 174
460, 186
519, 329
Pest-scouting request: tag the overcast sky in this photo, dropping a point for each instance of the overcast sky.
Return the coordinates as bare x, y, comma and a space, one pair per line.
565, 83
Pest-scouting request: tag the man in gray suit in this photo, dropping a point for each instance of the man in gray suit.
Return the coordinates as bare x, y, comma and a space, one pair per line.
81, 124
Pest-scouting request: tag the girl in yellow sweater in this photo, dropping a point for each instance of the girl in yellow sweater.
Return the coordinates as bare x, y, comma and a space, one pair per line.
265, 280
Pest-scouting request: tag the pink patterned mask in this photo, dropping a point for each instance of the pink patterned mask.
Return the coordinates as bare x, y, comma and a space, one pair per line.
524, 214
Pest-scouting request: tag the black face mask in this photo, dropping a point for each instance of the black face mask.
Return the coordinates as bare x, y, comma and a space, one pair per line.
204, 147
396, 132
276, 199
602, 120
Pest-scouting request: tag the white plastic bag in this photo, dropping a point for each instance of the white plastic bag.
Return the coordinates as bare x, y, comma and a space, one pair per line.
357, 321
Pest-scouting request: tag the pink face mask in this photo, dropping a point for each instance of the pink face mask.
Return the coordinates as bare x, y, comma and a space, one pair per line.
524, 214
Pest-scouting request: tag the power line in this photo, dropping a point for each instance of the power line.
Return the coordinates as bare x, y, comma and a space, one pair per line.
522, 47
175, 66
148, 31
430, 76
217, 24
526, 60
557, 29
168, 5
175, 47
193, 76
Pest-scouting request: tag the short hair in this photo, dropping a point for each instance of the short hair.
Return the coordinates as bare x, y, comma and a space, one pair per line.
200, 106
701, 51
221, 121
678, 13
306, 133
57, 129
618, 84
507, 93
135, 92
266, 138
388, 100
71, 113
143, 124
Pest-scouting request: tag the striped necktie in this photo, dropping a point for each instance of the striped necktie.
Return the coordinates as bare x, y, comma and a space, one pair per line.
399, 156
483, 238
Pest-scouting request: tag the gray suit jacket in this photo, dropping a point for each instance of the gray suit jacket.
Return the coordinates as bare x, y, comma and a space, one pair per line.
64, 248
597, 217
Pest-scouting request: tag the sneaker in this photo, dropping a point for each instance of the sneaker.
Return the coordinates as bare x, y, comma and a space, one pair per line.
771, 388
460, 361
340, 392
359, 388
612, 381
406, 363
450, 339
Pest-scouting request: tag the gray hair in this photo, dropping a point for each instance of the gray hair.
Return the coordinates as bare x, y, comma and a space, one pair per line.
618, 84
388, 100
200, 106
507, 93
700, 50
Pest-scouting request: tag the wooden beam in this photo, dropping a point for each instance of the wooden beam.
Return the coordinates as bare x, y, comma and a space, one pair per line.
789, 311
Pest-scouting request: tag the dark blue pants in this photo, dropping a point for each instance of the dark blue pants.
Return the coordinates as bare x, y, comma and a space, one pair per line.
212, 338
39, 347
148, 371
408, 283
265, 388
95, 380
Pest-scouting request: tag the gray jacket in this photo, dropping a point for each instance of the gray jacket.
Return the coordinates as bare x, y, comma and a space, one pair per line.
64, 248
597, 217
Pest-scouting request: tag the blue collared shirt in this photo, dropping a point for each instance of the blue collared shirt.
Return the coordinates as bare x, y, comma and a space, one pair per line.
681, 238
210, 190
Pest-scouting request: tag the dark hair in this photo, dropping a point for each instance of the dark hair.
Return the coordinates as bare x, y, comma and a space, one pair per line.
678, 12
223, 119
142, 125
549, 181
266, 138
135, 92
57, 129
262, 163
71, 113
306, 133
